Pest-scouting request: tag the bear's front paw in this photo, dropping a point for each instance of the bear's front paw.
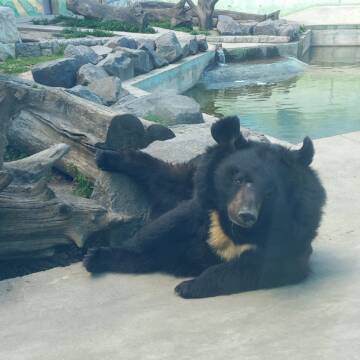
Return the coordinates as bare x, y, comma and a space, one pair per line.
96, 260
187, 290
104, 159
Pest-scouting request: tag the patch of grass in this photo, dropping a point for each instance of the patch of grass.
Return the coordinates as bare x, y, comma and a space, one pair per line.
105, 25
155, 118
23, 64
302, 28
200, 32
83, 186
73, 33
12, 154
167, 25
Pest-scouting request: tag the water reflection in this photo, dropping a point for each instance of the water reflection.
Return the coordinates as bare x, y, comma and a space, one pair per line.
321, 101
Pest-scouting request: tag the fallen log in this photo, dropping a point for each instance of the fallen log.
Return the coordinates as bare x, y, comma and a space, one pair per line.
43, 116
34, 220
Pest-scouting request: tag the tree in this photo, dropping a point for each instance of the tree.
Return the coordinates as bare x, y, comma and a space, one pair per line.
204, 11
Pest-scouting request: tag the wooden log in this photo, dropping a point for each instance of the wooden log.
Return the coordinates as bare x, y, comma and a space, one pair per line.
44, 116
34, 220
92, 9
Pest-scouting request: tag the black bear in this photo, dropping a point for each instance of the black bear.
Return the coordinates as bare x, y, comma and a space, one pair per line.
240, 217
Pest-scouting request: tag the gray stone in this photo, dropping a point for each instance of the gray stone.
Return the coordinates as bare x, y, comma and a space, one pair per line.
226, 25
266, 27
9, 33
118, 64
82, 53
122, 41
292, 30
60, 72
202, 43
27, 49
157, 60
168, 46
101, 50
165, 108
141, 59
85, 93
89, 73
46, 52
150, 43
7, 51
189, 47
109, 89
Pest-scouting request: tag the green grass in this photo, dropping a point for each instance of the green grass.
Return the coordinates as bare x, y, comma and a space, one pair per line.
105, 25
83, 186
155, 118
72, 33
23, 64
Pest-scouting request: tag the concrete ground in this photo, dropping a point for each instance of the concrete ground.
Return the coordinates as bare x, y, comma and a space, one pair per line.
65, 314
327, 15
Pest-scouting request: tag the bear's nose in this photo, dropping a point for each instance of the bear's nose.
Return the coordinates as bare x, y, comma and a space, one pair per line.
247, 219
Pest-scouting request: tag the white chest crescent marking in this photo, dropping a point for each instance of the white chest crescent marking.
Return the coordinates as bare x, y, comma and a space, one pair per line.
221, 244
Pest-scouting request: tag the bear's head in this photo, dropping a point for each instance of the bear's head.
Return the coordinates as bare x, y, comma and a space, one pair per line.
244, 179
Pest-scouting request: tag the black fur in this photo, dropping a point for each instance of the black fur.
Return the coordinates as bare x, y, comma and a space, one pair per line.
183, 196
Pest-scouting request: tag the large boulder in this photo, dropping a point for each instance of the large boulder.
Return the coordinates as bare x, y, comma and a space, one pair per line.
7, 51
226, 25
118, 64
9, 33
109, 89
157, 60
168, 46
165, 108
141, 59
101, 51
85, 93
292, 30
122, 41
89, 73
189, 46
266, 27
82, 53
202, 43
61, 72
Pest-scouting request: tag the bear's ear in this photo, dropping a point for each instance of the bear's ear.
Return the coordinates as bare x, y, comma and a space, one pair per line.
305, 155
226, 131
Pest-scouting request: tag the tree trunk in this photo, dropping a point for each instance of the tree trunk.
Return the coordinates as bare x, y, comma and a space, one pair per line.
44, 116
91, 9
204, 11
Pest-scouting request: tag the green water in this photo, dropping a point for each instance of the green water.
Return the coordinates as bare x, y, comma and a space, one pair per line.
319, 100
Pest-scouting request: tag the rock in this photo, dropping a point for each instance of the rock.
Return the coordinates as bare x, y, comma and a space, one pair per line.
168, 46
189, 47
118, 64
9, 33
122, 41
7, 51
85, 93
202, 44
292, 30
150, 43
226, 25
60, 72
165, 108
191, 140
141, 59
157, 60
109, 89
185, 50
101, 51
82, 53
28, 49
266, 27
89, 73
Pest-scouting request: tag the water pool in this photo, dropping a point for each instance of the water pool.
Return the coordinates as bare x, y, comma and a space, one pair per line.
285, 98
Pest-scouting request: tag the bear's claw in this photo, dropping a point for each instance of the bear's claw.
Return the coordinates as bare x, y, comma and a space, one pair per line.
96, 260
